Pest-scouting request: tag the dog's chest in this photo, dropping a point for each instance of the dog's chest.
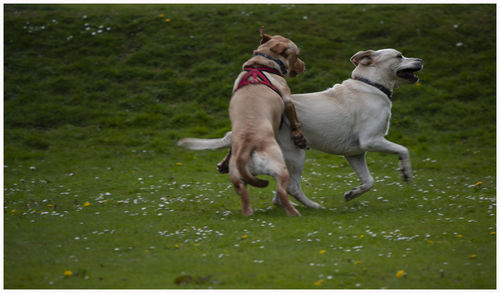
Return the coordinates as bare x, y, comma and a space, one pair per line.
387, 123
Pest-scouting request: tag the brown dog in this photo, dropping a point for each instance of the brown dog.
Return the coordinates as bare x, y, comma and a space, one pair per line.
261, 96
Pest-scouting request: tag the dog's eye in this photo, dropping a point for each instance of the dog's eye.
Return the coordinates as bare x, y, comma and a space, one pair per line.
400, 56
285, 53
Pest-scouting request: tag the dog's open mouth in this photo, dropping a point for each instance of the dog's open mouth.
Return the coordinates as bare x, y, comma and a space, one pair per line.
408, 74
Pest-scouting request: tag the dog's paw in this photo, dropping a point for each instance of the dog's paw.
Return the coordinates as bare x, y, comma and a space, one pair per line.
277, 201
293, 212
317, 206
350, 195
299, 140
223, 167
405, 169
247, 212
406, 177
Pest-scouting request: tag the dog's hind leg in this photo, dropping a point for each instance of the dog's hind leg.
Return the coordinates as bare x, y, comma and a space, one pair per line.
271, 163
283, 182
358, 163
242, 191
295, 190
240, 188
223, 166
294, 159
295, 165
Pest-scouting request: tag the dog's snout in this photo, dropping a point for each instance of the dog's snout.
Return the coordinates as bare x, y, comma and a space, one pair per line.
421, 61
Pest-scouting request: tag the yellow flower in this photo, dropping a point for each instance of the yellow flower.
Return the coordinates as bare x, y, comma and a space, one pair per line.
473, 256
178, 163
167, 20
86, 204
146, 250
400, 274
357, 262
13, 212
50, 205
418, 83
459, 236
493, 233
478, 183
322, 251
244, 236
361, 236
430, 242
162, 15
68, 273
319, 282
176, 246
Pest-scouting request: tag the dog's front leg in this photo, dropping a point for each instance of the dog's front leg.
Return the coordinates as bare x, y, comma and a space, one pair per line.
297, 134
382, 145
358, 163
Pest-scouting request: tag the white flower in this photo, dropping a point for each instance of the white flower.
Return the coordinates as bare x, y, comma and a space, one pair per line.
459, 44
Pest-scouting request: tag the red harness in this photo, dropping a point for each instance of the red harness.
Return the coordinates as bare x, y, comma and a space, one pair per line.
256, 76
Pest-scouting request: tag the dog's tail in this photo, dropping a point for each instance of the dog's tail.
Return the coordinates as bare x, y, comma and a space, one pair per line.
206, 144
242, 156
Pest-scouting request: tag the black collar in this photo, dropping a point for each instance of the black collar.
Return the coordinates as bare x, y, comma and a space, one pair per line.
385, 90
282, 66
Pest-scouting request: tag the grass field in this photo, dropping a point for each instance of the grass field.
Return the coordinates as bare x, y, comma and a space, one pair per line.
97, 195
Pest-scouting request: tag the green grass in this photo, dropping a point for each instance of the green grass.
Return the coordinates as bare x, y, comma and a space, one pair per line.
94, 184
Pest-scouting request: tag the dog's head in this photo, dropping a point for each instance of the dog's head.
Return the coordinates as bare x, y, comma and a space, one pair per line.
386, 66
282, 49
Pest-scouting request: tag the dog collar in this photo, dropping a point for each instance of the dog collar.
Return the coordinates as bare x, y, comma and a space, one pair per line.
385, 90
282, 66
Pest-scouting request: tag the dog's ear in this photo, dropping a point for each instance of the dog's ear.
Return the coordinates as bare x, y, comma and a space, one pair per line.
362, 57
265, 37
279, 48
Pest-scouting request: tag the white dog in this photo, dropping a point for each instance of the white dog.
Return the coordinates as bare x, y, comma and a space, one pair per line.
349, 119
